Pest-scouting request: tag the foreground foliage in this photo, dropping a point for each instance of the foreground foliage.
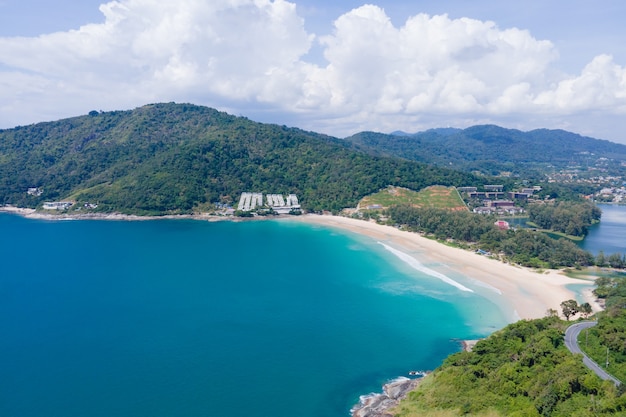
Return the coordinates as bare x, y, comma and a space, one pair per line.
522, 370
606, 342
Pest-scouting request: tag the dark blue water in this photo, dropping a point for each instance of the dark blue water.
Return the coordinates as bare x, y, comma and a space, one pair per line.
190, 318
609, 235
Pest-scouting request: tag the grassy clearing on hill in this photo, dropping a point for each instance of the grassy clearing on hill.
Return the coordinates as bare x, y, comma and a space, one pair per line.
435, 197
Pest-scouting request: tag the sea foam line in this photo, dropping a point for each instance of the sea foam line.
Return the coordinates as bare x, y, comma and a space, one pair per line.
415, 264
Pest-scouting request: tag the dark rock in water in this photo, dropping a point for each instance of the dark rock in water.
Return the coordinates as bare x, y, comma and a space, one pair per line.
378, 405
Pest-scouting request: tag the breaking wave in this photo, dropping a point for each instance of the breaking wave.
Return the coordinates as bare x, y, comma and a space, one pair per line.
415, 264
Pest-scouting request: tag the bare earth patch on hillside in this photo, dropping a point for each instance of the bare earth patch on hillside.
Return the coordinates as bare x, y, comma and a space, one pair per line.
435, 196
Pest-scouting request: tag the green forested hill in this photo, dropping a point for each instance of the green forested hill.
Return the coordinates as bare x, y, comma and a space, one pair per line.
491, 149
526, 370
522, 370
169, 158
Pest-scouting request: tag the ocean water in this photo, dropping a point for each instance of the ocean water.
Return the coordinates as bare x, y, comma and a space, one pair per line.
192, 318
609, 235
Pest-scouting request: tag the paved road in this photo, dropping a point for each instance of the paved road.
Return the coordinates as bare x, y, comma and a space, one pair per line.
571, 342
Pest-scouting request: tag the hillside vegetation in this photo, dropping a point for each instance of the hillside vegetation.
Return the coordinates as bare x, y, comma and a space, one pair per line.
606, 342
492, 149
171, 158
525, 369
522, 370
435, 196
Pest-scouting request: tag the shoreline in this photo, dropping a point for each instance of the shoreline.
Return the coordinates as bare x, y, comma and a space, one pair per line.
523, 293
529, 293
38, 215
526, 293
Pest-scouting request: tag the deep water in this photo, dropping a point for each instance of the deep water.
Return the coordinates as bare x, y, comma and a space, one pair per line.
191, 318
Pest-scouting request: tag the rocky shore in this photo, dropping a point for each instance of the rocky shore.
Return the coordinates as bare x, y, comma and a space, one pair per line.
51, 215
379, 405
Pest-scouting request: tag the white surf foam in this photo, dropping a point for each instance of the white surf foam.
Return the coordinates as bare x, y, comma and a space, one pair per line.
415, 264
485, 285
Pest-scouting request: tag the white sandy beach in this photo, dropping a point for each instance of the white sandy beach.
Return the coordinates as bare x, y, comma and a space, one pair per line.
530, 294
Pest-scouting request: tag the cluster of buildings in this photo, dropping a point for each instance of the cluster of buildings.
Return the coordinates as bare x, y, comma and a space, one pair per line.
494, 200
250, 201
615, 195
64, 205
275, 202
496, 192
57, 205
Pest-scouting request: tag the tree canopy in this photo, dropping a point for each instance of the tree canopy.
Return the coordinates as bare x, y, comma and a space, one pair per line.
169, 158
522, 370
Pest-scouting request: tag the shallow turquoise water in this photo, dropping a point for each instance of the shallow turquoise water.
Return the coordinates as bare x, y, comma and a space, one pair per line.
176, 317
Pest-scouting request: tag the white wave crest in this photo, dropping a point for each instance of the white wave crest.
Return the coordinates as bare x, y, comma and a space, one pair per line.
485, 285
415, 264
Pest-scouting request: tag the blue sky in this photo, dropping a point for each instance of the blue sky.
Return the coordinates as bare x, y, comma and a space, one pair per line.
329, 66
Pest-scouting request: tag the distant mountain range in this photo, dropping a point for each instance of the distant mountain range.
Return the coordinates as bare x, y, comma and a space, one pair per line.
176, 158
490, 149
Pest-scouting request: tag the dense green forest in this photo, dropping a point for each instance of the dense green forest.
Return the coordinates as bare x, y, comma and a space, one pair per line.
524, 247
566, 217
170, 158
606, 342
523, 370
492, 149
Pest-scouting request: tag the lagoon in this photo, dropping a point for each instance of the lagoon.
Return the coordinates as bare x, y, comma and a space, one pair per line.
609, 235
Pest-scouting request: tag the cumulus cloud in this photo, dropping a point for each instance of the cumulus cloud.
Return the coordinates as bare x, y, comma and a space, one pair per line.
600, 86
250, 55
145, 49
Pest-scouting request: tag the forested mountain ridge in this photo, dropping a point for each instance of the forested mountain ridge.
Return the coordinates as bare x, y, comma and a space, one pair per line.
491, 149
170, 158
525, 369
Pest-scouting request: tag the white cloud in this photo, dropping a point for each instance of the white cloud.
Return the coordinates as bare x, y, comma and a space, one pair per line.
251, 54
601, 86
431, 64
147, 49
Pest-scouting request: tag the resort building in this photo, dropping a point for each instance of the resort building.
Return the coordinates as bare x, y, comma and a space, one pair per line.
467, 189
35, 191
502, 225
276, 202
57, 205
497, 188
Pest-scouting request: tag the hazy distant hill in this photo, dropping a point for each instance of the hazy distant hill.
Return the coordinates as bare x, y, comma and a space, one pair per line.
172, 157
492, 149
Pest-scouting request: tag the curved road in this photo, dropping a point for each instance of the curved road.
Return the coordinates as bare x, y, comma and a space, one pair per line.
571, 342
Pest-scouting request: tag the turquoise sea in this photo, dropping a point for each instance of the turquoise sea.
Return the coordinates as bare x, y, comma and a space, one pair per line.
193, 318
